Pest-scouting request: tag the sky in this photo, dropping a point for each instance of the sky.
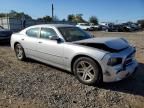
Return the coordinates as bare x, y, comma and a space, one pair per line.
104, 10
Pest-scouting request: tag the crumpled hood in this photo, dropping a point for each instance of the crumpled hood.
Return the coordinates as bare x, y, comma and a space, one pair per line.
108, 44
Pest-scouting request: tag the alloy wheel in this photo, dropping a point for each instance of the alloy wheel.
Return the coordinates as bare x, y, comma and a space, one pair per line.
85, 71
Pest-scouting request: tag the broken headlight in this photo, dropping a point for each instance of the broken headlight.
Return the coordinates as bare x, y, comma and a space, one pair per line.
114, 61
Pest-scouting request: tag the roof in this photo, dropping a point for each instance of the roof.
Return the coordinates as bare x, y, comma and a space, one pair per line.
47, 25
53, 25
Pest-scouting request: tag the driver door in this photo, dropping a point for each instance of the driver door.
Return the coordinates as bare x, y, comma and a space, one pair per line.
50, 50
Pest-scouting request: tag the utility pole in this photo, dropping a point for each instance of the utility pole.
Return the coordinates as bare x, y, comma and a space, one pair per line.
52, 12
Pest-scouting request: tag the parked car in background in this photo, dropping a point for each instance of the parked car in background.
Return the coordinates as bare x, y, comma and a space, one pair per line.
85, 26
130, 27
95, 27
92, 60
111, 28
124, 27
127, 27
5, 34
108, 27
118, 28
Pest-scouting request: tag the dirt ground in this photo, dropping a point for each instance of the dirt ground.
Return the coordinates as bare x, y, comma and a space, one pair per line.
33, 84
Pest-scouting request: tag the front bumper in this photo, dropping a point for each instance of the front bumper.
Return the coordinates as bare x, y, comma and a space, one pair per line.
119, 72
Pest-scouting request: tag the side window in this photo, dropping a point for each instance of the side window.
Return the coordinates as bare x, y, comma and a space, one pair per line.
33, 32
47, 33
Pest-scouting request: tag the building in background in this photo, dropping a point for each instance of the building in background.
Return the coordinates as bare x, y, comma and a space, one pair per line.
15, 24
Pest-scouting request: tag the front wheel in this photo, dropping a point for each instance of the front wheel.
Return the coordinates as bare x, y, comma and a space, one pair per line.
87, 71
20, 54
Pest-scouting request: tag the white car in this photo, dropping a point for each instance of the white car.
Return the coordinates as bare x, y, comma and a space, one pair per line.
95, 27
92, 60
85, 26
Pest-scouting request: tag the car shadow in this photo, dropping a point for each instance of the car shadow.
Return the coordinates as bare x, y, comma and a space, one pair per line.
34, 61
132, 85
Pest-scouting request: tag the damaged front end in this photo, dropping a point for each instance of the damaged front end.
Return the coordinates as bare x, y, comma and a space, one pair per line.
102, 46
119, 62
119, 65
112, 45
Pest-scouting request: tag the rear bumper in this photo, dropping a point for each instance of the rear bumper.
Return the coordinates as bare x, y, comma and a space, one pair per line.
118, 73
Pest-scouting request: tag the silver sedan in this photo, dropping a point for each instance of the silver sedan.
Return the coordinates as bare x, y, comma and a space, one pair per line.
92, 60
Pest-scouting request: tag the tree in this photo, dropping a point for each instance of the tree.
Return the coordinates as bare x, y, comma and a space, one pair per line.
3, 14
14, 14
19, 15
78, 18
93, 20
64, 20
71, 17
45, 18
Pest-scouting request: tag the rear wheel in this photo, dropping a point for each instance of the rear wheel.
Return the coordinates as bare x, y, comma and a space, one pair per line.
20, 54
87, 71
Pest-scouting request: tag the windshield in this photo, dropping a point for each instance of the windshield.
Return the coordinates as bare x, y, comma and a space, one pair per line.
71, 34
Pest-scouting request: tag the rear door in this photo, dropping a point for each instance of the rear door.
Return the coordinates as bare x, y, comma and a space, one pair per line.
30, 41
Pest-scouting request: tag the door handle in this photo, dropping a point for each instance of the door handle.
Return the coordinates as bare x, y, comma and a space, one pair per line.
22, 39
39, 42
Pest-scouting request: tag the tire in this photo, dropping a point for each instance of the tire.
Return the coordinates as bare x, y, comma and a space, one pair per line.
87, 71
19, 51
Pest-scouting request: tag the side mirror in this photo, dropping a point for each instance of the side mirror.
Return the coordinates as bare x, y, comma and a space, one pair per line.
59, 40
53, 37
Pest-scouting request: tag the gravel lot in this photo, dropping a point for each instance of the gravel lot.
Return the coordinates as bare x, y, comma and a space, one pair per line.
33, 84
